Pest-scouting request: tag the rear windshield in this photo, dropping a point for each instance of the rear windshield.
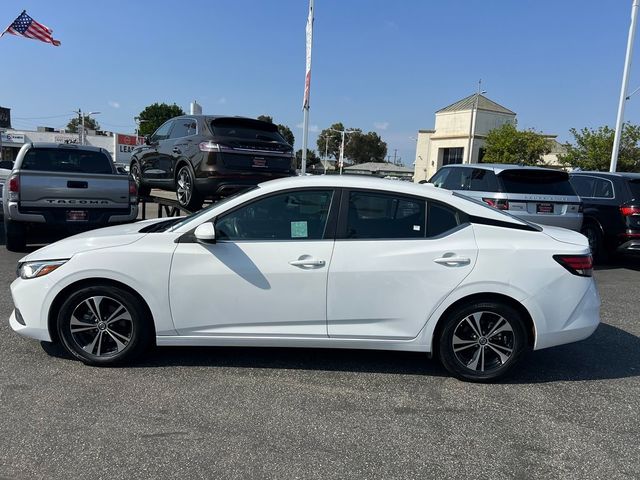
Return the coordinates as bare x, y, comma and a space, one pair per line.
66, 160
246, 130
634, 186
540, 182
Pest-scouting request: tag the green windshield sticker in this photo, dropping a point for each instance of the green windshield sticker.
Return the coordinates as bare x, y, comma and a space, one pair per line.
299, 230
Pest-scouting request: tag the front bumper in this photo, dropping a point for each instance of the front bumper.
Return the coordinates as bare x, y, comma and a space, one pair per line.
30, 297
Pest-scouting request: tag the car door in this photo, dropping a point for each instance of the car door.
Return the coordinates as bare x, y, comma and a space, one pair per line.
153, 162
265, 275
183, 143
396, 258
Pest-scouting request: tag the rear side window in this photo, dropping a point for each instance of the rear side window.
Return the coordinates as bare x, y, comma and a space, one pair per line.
539, 182
583, 185
183, 127
441, 219
246, 129
634, 186
67, 160
384, 216
483, 181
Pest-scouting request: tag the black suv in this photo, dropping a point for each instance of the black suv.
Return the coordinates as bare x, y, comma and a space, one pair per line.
611, 210
200, 156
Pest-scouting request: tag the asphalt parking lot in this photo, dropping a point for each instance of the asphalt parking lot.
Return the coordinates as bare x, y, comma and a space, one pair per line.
569, 412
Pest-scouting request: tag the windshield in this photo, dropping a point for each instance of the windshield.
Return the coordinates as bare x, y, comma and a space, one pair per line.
538, 182
172, 227
66, 160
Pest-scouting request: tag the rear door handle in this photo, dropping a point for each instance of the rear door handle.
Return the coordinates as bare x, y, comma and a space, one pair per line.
453, 261
307, 262
176, 150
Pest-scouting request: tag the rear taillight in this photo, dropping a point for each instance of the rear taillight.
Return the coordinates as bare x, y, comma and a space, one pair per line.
13, 187
581, 265
499, 203
629, 211
133, 191
210, 146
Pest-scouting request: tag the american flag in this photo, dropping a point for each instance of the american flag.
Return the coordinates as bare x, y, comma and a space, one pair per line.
25, 26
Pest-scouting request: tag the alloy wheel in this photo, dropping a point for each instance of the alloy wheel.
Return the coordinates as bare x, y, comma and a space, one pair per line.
184, 188
134, 170
101, 326
483, 341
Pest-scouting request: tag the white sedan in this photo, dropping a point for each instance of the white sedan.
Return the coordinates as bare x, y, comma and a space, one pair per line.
339, 262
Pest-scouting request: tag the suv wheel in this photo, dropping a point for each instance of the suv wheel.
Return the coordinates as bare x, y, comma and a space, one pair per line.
15, 236
136, 174
186, 192
482, 341
594, 235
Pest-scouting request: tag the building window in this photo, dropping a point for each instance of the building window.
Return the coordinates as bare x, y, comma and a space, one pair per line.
452, 155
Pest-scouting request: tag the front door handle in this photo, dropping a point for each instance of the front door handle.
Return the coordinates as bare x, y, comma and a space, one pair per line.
176, 150
307, 262
453, 261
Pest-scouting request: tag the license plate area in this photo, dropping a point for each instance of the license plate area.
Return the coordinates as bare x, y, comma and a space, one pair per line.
77, 215
544, 208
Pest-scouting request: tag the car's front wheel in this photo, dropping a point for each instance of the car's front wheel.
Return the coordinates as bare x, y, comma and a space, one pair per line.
187, 195
104, 325
482, 341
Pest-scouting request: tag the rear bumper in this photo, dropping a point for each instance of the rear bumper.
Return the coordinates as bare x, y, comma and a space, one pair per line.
55, 217
630, 246
228, 184
582, 322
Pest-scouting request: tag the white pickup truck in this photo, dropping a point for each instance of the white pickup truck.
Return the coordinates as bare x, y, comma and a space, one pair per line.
62, 189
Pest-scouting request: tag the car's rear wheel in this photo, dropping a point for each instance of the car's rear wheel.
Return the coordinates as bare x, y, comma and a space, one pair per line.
482, 341
186, 193
104, 325
15, 236
136, 174
596, 241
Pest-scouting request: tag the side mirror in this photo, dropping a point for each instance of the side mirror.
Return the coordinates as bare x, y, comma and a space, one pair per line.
205, 233
148, 140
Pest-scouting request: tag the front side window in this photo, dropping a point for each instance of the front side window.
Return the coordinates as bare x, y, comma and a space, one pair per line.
379, 215
440, 177
458, 179
296, 215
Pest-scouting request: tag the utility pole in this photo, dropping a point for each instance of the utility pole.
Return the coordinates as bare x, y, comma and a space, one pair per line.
342, 134
623, 89
395, 154
80, 125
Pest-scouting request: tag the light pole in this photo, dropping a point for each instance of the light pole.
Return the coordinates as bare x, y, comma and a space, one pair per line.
326, 152
84, 132
472, 124
138, 121
343, 133
623, 90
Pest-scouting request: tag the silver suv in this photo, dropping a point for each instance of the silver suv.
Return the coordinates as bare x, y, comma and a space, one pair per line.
539, 195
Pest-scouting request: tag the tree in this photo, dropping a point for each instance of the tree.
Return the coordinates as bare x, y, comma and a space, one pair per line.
155, 115
283, 130
592, 149
334, 138
365, 147
312, 159
89, 123
507, 144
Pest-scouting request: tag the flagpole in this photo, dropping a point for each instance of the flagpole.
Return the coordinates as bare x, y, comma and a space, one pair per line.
307, 88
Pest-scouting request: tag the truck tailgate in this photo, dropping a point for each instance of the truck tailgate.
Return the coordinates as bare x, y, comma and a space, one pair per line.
73, 190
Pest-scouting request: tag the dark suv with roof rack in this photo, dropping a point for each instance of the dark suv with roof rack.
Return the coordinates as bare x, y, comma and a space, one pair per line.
611, 210
201, 156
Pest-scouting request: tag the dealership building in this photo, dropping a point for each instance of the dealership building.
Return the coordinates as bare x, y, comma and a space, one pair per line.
11, 140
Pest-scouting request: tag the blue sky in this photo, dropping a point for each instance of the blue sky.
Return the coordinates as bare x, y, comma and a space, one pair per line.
377, 65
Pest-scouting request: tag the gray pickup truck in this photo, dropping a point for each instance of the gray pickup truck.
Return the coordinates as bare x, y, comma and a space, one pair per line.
61, 189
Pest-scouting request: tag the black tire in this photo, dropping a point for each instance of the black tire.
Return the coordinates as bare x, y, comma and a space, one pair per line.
55, 349
136, 174
186, 194
488, 356
596, 241
116, 338
15, 236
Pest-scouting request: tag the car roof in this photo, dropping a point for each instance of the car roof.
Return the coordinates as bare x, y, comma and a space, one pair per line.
630, 175
500, 167
73, 146
215, 117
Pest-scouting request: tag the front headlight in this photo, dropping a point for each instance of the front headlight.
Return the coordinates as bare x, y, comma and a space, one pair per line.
28, 270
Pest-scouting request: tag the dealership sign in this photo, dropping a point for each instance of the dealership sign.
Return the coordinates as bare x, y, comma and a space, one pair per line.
125, 145
8, 137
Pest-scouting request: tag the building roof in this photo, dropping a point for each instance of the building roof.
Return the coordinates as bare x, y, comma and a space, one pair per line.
379, 167
483, 104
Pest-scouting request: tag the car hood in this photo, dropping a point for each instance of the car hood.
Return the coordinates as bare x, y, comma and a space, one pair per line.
92, 240
565, 235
